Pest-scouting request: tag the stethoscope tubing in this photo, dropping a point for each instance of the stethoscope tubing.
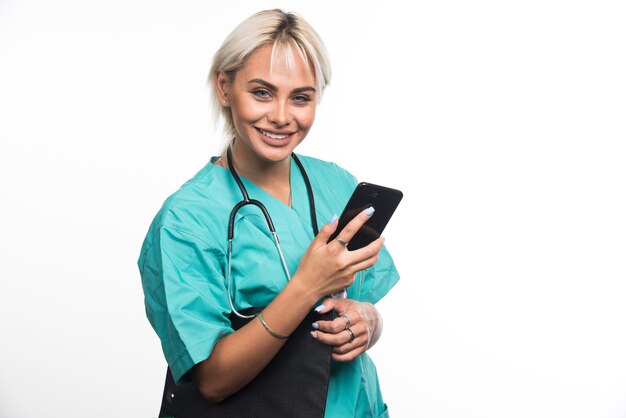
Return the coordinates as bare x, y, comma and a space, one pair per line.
268, 219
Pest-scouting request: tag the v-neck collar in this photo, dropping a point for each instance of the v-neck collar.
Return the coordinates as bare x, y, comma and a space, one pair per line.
300, 205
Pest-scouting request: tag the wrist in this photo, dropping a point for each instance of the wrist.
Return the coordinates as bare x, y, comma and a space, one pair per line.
376, 327
302, 292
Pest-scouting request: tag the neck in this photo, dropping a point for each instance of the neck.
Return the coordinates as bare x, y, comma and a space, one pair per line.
271, 176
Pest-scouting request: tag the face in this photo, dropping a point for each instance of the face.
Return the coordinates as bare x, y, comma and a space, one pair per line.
272, 110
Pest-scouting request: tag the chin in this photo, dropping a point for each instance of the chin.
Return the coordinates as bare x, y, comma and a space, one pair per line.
277, 155
277, 151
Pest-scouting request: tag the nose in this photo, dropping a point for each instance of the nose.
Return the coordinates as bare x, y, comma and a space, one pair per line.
280, 115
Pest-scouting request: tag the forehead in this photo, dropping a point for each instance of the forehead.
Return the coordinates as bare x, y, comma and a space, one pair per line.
283, 67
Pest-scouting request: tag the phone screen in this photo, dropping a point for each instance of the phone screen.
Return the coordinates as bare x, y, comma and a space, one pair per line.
383, 199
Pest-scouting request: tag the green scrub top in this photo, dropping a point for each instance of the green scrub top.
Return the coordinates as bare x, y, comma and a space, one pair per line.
183, 270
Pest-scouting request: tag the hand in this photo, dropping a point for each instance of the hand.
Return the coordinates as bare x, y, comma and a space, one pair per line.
364, 321
327, 267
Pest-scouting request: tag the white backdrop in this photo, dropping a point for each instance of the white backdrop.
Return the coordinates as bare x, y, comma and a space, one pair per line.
503, 123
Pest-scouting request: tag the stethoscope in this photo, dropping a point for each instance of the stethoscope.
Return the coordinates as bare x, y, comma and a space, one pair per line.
247, 201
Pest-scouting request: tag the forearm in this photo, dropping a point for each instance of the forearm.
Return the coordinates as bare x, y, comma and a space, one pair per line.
239, 357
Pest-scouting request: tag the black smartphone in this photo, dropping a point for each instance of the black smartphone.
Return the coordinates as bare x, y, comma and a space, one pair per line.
383, 199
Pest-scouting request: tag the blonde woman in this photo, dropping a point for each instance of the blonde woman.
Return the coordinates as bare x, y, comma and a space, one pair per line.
236, 273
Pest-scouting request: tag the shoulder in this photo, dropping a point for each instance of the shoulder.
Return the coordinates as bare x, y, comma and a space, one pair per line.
332, 185
195, 195
326, 171
196, 208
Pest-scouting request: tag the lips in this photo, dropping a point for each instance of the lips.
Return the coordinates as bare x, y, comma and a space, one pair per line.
275, 135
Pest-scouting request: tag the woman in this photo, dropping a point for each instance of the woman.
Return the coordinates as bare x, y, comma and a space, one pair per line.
266, 81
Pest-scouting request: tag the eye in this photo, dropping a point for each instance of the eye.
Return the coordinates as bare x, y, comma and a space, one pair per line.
261, 93
301, 98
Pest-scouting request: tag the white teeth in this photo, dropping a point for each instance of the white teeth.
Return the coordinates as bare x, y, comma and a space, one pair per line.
273, 136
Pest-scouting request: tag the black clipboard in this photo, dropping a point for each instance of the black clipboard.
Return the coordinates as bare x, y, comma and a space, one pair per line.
293, 384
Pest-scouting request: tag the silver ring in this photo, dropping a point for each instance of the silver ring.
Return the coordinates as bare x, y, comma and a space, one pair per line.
351, 334
342, 242
345, 318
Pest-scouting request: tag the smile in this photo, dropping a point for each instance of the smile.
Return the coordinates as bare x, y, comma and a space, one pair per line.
273, 135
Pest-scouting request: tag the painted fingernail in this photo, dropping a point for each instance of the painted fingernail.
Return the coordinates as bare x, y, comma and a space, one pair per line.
315, 325
370, 211
314, 334
333, 219
319, 309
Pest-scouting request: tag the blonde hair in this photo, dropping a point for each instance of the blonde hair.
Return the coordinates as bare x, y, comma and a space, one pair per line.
286, 32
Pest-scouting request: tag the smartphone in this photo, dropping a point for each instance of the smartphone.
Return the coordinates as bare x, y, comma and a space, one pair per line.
383, 199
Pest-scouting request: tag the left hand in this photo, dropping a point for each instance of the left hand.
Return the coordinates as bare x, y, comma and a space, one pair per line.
365, 323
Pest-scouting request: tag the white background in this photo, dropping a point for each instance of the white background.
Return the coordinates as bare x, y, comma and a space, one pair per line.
503, 123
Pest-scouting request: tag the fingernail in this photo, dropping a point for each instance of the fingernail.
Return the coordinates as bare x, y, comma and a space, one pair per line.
315, 325
314, 334
319, 309
370, 211
383, 239
333, 219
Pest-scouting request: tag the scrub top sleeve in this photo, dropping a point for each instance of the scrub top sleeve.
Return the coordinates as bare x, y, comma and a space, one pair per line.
380, 278
346, 179
185, 297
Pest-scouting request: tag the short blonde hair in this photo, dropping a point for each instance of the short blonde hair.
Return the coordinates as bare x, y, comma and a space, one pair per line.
286, 32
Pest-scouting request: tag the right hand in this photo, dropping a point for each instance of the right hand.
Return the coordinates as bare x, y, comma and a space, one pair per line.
327, 267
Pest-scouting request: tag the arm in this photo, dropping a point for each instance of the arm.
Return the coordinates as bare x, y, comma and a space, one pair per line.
324, 268
237, 358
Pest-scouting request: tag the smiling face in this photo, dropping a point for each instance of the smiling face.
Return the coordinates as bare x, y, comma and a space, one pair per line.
272, 106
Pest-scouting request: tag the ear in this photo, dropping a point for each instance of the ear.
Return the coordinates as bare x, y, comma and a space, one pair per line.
221, 86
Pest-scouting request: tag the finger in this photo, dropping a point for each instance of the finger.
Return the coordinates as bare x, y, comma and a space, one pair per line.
326, 306
327, 230
349, 355
340, 306
335, 340
369, 250
348, 347
355, 224
335, 326
363, 265
363, 260
359, 340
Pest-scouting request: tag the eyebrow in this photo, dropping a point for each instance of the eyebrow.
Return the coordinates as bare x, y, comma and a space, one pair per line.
273, 87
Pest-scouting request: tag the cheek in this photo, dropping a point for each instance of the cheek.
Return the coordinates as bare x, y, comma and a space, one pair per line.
306, 117
247, 110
